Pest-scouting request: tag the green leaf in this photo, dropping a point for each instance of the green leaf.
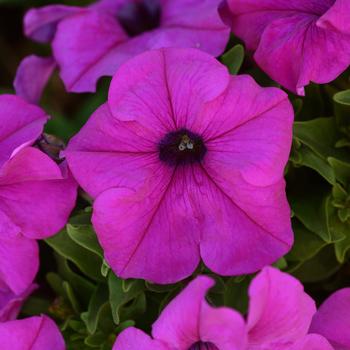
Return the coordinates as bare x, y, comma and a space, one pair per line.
341, 170
88, 262
85, 236
320, 267
105, 268
342, 229
320, 135
161, 288
233, 59
306, 243
342, 108
56, 283
310, 209
119, 296
137, 307
95, 340
71, 296
81, 286
306, 157
91, 317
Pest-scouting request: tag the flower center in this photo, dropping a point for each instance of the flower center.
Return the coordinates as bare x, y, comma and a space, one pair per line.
203, 346
181, 147
138, 16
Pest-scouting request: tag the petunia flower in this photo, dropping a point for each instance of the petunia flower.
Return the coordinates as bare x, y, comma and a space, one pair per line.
279, 317
190, 323
186, 162
34, 333
36, 194
94, 41
332, 320
294, 42
280, 314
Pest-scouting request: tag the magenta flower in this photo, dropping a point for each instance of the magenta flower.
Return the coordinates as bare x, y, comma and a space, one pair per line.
34, 333
294, 42
186, 161
36, 194
190, 323
92, 42
332, 320
279, 317
280, 314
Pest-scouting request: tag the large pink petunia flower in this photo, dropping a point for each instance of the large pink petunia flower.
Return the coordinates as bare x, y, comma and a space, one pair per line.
94, 41
294, 42
186, 161
34, 333
279, 316
36, 195
332, 320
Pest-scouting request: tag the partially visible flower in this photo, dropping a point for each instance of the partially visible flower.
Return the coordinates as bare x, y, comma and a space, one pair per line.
94, 41
279, 317
332, 320
294, 42
36, 195
190, 323
10, 303
32, 76
186, 162
280, 314
34, 333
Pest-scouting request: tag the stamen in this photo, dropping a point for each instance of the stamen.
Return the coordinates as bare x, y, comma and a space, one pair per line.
181, 147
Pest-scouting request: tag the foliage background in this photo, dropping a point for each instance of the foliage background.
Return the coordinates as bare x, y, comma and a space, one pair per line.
77, 287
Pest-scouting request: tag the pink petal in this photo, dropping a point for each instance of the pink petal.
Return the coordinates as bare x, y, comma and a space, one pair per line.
249, 18
29, 158
180, 80
196, 18
248, 129
151, 233
332, 320
189, 319
312, 342
280, 312
134, 339
92, 43
294, 52
40, 23
21, 123
111, 6
337, 17
10, 303
19, 262
238, 232
81, 47
179, 324
31, 191
37, 332
296, 42
107, 153
32, 76
223, 327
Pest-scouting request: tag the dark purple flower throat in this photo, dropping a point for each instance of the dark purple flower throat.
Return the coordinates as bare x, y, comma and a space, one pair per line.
139, 16
203, 346
181, 147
